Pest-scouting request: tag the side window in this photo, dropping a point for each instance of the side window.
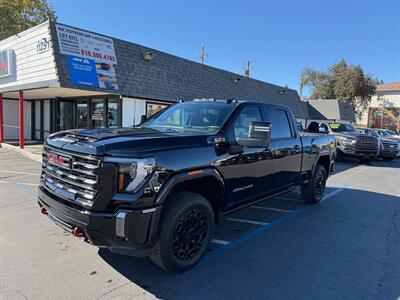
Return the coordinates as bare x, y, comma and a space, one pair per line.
280, 126
243, 119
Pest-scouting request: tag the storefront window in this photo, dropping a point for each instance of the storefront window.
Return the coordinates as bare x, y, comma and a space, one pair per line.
112, 119
66, 117
152, 108
83, 111
97, 113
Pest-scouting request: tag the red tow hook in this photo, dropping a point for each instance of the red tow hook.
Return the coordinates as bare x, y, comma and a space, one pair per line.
78, 232
43, 211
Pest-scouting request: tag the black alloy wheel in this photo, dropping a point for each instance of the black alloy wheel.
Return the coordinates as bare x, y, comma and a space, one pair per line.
185, 232
319, 185
190, 234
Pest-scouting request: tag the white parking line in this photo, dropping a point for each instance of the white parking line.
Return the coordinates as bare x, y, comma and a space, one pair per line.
272, 208
19, 172
290, 199
22, 183
220, 242
246, 221
334, 192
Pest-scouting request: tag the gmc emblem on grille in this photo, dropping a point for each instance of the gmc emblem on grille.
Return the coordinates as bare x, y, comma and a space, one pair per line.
59, 160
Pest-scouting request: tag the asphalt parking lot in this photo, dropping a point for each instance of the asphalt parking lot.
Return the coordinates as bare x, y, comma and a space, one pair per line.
346, 247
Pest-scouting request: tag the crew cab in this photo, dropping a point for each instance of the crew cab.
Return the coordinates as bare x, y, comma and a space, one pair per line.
158, 189
350, 143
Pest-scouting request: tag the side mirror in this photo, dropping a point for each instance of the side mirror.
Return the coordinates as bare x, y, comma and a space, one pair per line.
143, 118
259, 135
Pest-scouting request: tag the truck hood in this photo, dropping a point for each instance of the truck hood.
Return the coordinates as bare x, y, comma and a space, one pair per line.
123, 141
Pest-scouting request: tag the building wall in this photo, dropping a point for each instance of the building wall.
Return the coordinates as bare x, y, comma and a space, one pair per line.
11, 118
34, 64
167, 77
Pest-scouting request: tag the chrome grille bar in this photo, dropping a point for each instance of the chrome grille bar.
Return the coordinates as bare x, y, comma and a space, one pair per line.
76, 178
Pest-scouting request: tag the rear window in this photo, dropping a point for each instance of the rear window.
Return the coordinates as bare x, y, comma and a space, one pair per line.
280, 126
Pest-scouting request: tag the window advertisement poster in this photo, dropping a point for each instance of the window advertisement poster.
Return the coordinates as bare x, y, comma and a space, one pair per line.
92, 49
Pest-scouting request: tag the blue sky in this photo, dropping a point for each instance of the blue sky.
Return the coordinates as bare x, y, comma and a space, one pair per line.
280, 37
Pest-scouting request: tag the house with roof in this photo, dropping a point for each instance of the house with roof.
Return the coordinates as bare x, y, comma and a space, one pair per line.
329, 110
387, 96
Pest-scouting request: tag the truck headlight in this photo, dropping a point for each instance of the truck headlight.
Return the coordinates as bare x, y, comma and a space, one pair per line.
133, 174
349, 142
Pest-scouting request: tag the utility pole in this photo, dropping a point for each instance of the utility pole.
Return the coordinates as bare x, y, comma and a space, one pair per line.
203, 54
247, 68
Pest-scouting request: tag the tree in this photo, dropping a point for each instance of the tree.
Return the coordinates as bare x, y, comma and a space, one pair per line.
19, 15
343, 82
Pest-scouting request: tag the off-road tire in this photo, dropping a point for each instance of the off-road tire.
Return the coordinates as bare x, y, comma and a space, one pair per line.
310, 192
388, 158
180, 207
365, 160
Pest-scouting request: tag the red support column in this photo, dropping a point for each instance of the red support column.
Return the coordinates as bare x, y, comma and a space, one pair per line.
21, 119
1, 119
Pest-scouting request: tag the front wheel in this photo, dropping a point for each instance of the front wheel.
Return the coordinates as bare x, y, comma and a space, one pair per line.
314, 190
388, 158
185, 232
365, 160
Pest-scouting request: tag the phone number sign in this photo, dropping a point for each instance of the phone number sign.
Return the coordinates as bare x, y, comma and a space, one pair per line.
85, 44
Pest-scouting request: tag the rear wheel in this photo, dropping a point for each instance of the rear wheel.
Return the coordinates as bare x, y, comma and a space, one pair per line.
185, 232
314, 190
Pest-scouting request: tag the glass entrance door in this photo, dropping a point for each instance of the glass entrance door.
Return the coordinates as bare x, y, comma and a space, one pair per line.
66, 115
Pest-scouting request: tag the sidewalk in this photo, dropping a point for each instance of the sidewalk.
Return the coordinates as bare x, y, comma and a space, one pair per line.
32, 150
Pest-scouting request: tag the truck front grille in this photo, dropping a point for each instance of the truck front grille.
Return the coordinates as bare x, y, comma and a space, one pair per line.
390, 148
366, 145
70, 175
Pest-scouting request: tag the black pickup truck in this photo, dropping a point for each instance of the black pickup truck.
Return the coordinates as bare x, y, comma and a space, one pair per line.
158, 189
350, 142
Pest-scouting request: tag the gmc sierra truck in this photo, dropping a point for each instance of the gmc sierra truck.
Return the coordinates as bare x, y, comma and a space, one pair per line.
159, 188
350, 143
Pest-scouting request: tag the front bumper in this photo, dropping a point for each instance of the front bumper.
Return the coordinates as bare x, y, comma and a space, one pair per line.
125, 231
359, 153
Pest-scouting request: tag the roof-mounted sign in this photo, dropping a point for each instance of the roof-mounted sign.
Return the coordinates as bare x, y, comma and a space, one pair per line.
6, 66
91, 57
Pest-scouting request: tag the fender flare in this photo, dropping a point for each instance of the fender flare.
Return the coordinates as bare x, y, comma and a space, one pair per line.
188, 176
322, 153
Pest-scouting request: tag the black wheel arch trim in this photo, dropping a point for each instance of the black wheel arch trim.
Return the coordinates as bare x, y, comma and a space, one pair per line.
189, 176
324, 153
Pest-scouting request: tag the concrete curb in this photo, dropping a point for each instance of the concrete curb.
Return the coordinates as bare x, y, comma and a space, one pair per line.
26, 153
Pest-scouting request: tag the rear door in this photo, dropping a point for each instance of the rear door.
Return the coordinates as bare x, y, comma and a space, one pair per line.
285, 145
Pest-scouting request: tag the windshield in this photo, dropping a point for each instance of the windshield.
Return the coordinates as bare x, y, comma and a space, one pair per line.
191, 117
383, 133
338, 127
391, 132
368, 132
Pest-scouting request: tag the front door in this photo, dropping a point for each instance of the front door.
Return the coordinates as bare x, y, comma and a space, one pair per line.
248, 173
66, 114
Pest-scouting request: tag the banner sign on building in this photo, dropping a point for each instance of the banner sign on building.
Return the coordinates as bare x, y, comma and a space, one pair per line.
96, 67
5, 63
